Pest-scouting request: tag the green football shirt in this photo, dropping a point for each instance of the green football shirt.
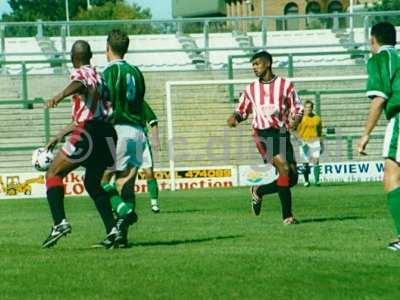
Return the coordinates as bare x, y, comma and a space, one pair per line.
149, 116
126, 88
384, 79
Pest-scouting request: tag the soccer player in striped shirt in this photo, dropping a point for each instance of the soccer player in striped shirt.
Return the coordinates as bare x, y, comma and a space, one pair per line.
276, 108
383, 87
90, 145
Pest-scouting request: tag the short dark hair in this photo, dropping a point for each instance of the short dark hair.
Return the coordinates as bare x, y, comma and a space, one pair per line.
309, 102
81, 50
118, 40
262, 54
385, 33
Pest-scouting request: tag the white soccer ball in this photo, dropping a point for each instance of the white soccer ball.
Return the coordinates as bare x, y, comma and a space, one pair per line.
42, 158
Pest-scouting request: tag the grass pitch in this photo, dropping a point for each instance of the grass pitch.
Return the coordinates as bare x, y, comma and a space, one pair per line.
206, 244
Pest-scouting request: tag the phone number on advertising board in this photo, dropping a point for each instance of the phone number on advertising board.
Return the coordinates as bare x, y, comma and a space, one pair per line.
205, 173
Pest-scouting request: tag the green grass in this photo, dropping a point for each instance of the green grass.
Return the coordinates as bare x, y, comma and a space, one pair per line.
206, 244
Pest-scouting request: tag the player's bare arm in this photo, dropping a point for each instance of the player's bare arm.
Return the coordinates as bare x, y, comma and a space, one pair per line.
374, 114
74, 87
155, 137
60, 135
235, 119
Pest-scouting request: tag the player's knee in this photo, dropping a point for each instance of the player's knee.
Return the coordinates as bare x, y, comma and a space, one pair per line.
283, 171
51, 172
282, 168
390, 183
127, 192
56, 170
149, 173
107, 176
281, 165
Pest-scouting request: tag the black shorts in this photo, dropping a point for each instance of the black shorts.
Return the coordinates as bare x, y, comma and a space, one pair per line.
92, 144
272, 142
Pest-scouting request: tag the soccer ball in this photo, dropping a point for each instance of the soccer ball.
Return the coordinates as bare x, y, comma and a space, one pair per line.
42, 158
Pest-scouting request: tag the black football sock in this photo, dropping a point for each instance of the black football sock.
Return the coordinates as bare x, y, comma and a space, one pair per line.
100, 197
266, 189
103, 205
307, 171
55, 197
285, 195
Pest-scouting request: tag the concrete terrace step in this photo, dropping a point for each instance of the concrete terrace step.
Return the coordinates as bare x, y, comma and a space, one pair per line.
9, 135
26, 141
199, 112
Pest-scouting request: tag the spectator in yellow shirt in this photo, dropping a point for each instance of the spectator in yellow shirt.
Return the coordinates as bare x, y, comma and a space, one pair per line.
309, 132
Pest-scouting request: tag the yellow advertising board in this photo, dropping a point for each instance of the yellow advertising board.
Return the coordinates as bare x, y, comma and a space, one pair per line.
32, 185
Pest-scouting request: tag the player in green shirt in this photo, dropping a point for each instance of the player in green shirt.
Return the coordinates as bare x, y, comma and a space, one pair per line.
148, 164
126, 88
383, 88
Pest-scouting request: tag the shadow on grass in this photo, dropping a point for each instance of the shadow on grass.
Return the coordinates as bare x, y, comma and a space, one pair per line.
189, 241
320, 220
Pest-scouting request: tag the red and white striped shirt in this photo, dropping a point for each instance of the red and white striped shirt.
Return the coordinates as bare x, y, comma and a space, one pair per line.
89, 105
270, 103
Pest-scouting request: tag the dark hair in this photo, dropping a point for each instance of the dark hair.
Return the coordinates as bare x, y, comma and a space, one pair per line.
81, 50
385, 33
309, 102
262, 54
118, 41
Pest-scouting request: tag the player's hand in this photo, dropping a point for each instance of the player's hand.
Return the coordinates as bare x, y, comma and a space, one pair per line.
294, 121
362, 144
291, 124
232, 122
52, 103
52, 143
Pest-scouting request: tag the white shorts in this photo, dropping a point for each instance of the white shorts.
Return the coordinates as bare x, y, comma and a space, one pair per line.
391, 144
147, 157
310, 150
130, 146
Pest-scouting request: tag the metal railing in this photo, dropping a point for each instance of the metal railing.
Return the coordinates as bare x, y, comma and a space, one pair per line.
290, 65
349, 139
205, 26
46, 124
230, 70
24, 100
